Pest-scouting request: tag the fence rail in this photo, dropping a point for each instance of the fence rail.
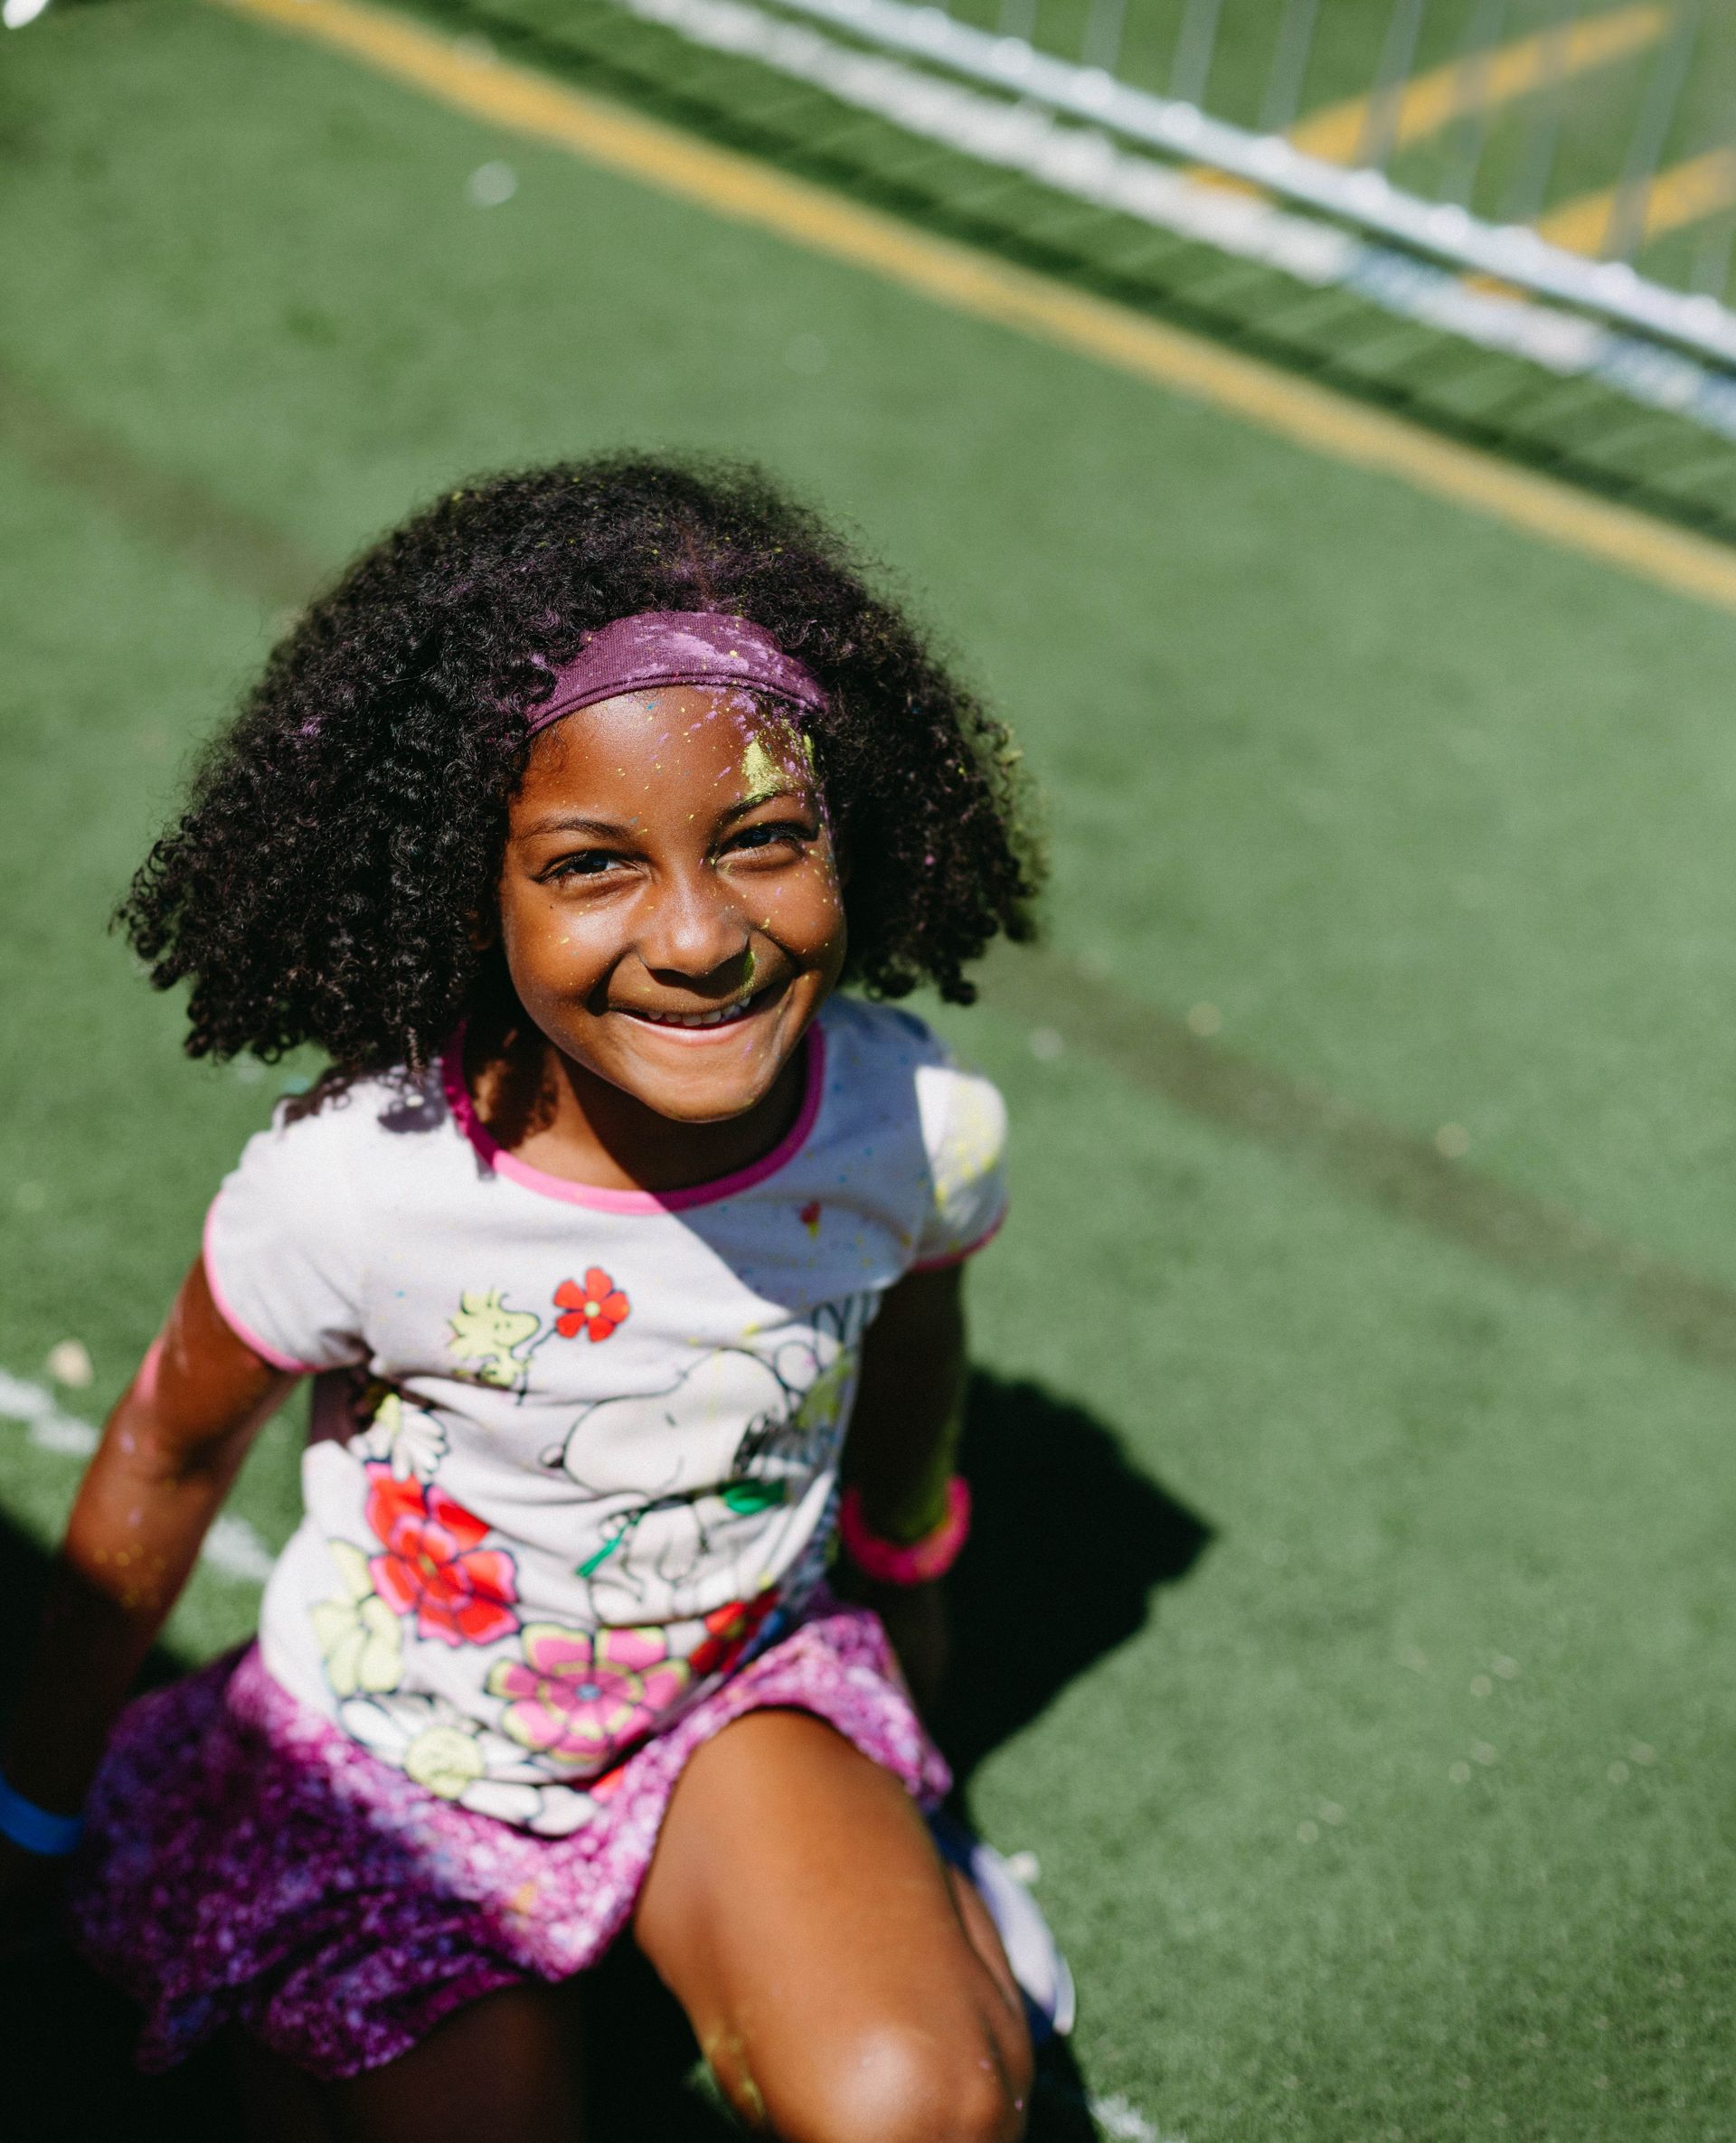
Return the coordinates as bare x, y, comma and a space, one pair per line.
1336, 164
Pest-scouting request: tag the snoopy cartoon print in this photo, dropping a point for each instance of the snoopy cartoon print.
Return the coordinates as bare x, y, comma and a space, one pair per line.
733, 1441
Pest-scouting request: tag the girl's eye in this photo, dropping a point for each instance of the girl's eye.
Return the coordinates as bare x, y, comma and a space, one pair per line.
774, 833
590, 862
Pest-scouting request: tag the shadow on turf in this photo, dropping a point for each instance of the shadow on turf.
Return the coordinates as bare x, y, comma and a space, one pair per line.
1070, 1542
1067, 1545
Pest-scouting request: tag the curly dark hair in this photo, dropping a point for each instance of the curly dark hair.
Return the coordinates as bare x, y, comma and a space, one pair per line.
333, 876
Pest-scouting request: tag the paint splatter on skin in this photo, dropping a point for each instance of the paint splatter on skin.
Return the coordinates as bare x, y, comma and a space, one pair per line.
761, 776
726, 2056
778, 755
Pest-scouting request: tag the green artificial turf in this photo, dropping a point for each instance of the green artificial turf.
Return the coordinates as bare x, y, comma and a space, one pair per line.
1378, 1764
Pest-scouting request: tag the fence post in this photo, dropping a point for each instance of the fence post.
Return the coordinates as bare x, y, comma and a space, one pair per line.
1195, 48
1472, 111
1290, 52
1630, 208
1398, 50
1530, 187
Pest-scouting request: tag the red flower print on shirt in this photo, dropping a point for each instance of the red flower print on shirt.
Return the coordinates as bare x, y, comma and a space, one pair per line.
729, 1631
435, 1565
595, 1309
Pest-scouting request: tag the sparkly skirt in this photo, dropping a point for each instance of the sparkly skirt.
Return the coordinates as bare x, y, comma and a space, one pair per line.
245, 1861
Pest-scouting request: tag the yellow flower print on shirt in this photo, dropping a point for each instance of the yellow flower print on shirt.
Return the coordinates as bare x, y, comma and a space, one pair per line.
358, 1635
444, 1758
406, 1437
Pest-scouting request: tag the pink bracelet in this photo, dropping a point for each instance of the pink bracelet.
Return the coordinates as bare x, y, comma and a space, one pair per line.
922, 1561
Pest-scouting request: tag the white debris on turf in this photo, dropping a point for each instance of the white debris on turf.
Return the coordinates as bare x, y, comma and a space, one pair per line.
70, 1364
232, 1546
491, 185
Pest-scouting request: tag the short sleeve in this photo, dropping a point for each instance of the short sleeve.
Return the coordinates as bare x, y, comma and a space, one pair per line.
277, 1251
963, 1131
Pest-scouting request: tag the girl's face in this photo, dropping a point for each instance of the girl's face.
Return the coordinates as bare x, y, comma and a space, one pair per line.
670, 907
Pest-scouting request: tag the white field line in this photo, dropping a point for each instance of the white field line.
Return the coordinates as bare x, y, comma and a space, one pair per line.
232, 1546
1084, 162
1119, 2117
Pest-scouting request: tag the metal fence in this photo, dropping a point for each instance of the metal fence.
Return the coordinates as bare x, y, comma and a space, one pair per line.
1547, 181
1585, 156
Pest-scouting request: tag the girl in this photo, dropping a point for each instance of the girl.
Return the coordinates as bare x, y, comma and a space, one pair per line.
557, 827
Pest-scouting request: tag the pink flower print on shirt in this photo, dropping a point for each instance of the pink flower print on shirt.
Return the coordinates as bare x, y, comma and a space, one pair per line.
595, 1309
435, 1565
583, 1695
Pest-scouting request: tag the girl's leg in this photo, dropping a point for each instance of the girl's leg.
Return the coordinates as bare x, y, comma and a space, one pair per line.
500, 2070
279, 2103
844, 1988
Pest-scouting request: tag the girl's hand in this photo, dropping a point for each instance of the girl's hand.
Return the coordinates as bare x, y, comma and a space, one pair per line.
903, 1437
30, 1896
900, 1451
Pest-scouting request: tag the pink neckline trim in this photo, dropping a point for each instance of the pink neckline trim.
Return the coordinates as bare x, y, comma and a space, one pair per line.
594, 1195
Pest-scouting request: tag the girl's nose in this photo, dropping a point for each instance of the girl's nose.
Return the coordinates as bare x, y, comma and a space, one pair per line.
694, 928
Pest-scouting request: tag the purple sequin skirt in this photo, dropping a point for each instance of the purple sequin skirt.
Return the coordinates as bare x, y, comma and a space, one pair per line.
247, 1862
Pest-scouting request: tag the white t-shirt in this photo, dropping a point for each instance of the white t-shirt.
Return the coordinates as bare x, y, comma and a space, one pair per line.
575, 1450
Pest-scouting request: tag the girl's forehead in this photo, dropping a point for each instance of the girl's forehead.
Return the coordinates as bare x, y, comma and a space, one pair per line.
721, 742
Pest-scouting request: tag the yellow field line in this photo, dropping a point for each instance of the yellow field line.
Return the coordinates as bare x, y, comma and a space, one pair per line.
1686, 193
749, 191
1434, 101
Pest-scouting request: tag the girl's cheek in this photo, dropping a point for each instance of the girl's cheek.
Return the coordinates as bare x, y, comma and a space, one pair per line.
550, 949
580, 949
801, 912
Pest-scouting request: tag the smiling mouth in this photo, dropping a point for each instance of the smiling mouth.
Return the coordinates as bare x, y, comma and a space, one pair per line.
722, 1015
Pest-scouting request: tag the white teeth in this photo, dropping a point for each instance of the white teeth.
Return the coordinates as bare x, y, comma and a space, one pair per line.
693, 1019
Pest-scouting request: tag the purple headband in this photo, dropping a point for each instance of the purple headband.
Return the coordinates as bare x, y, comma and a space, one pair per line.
660, 649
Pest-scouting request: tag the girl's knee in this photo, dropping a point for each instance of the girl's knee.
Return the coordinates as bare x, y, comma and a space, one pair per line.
902, 2081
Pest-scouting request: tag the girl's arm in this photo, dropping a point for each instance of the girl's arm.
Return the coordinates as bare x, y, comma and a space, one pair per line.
902, 1449
169, 1453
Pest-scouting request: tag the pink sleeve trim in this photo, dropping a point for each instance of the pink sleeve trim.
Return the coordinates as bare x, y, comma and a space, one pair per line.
957, 1257
242, 1332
